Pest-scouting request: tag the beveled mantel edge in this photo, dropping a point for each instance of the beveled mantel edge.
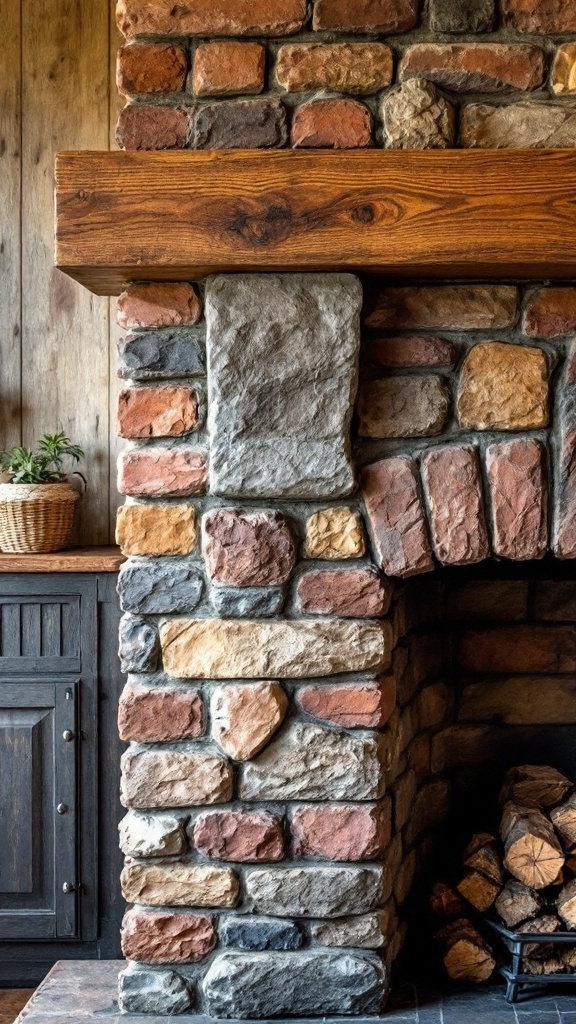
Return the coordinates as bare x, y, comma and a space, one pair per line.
182, 215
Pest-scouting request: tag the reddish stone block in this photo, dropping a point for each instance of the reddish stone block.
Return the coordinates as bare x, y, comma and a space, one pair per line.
391, 495
550, 313
151, 67
349, 833
158, 304
156, 412
351, 593
540, 16
167, 938
332, 124
453, 486
519, 649
366, 705
155, 716
475, 67
450, 307
564, 530
229, 68
411, 350
245, 548
516, 471
365, 15
211, 17
162, 472
243, 836
142, 126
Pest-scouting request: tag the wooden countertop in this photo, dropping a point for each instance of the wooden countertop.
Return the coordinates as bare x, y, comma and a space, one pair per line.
73, 560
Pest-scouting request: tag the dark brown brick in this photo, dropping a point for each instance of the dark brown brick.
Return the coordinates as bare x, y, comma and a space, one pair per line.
365, 15
240, 124
141, 126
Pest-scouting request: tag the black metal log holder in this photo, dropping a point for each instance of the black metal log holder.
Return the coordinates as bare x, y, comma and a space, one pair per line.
516, 981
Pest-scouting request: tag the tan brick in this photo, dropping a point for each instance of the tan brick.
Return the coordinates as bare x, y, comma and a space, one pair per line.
156, 412
518, 126
332, 124
564, 70
142, 126
475, 67
211, 17
156, 529
449, 307
180, 777
179, 885
158, 304
151, 67
356, 68
365, 15
335, 533
229, 68
504, 387
550, 313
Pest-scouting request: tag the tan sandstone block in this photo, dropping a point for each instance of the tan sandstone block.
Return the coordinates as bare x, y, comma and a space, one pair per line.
156, 529
174, 778
335, 533
245, 717
355, 68
179, 885
504, 387
564, 70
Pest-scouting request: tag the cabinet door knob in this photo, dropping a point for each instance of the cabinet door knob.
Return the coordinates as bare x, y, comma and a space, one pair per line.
68, 887
62, 808
68, 735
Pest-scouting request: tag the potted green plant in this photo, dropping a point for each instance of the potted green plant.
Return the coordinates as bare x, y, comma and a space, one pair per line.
37, 499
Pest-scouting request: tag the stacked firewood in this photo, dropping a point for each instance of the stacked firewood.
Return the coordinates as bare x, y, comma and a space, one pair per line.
525, 877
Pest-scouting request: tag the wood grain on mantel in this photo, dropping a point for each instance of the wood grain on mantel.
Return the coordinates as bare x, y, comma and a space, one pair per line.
183, 215
72, 560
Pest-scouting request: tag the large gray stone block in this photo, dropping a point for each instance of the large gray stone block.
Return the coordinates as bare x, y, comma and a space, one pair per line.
145, 991
259, 933
282, 367
160, 586
153, 355
264, 985
314, 891
139, 648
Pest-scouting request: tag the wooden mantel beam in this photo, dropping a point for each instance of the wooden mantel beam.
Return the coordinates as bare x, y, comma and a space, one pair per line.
182, 215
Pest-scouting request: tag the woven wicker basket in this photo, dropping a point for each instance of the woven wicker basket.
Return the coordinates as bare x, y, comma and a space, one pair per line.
36, 517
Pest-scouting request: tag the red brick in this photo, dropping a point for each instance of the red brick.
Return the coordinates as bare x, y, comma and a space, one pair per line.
162, 472
356, 68
154, 716
247, 548
158, 304
356, 705
141, 126
156, 412
519, 649
550, 313
351, 593
475, 67
516, 471
411, 350
540, 16
391, 495
332, 124
365, 15
229, 68
452, 481
244, 836
349, 833
211, 17
450, 307
167, 938
151, 67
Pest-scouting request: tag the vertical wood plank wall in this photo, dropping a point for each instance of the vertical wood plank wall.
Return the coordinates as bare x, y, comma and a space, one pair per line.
57, 342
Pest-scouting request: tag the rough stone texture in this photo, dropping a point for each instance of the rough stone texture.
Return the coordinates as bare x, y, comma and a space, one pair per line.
356, 68
564, 70
158, 303
174, 778
156, 529
411, 350
179, 885
259, 933
142, 126
139, 650
153, 355
156, 588
162, 472
351, 593
331, 124
239, 984
233, 649
152, 835
564, 532
228, 68
244, 718
516, 471
396, 514
314, 891
307, 762
155, 716
475, 67
154, 938
261, 602
242, 836
363, 705
247, 547
403, 406
240, 124
453, 485
540, 16
156, 412
285, 433
461, 16
364, 932
335, 533
211, 17
146, 991
151, 67
518, 126
341, 833
365, 15
452, 307
504, 387
417, 116
550, 313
